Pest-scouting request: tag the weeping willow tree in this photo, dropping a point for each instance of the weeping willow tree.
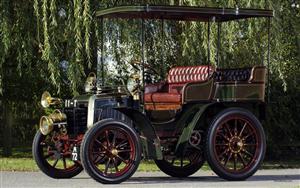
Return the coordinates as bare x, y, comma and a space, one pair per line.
52, 45
44, 45
62, 36
65, 28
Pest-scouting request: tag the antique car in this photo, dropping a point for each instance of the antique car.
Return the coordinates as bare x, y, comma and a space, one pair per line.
199, 113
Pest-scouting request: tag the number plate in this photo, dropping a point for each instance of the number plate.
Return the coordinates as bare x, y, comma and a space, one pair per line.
75, 154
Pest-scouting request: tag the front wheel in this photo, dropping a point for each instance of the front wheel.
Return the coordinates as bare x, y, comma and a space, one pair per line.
236, 144
52, 154
111, 151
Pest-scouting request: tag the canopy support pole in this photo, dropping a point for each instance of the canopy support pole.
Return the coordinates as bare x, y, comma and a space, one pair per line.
269, 57
219, 44
102, 51
143, 63
208, 42
143, 52
208, 46
162, 47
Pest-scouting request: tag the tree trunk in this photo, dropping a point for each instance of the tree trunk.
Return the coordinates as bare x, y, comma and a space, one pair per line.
7, 129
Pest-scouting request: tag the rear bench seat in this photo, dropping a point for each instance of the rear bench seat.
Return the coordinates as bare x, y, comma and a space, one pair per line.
230, 75
255, 74
168, 95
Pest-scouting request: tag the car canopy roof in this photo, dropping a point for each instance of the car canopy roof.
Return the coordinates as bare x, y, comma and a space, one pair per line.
185, 13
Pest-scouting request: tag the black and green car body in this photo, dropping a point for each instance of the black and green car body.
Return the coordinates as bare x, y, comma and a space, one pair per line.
198, 113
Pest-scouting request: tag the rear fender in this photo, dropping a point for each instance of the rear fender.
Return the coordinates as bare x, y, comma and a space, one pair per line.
187, 130
150, 141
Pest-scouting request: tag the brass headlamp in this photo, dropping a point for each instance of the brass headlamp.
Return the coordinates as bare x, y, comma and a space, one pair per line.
47, 100
90, 83
47, 122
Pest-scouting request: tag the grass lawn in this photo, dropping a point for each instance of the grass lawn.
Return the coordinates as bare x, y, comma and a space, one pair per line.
28, 164
21, 160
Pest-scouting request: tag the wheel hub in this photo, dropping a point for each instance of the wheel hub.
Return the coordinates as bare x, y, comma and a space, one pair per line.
236, 144
114, 152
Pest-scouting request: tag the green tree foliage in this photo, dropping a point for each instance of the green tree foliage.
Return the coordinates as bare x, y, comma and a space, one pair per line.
52, 45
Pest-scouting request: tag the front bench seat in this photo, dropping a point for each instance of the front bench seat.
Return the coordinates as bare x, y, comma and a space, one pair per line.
168, 95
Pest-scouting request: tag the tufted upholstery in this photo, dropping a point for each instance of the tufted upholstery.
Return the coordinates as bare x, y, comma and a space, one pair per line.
170, 91
181, 75
229, 75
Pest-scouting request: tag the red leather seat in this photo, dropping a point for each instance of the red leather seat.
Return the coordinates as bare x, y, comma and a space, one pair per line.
169, 92
163, 98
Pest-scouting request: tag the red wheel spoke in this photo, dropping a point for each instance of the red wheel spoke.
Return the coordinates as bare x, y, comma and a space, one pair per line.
114, 138
181, 161
55, 163
242, 159
247, 152
99, 152
225, 151
228, 159
252, 133
97, 141
122, 144
235, 127
228, 130
222, 144
234, 161
64, 162
224, 136
106, 166
107, 138
126, 150
250, 144
116, 166
242, 129
98, 158
123, 160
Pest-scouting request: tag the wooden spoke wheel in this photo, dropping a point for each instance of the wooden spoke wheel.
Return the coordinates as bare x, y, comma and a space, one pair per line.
182, 166
111, 152
52, 154
235, 144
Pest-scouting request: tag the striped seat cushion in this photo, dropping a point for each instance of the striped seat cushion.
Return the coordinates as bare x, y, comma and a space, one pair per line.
181, 75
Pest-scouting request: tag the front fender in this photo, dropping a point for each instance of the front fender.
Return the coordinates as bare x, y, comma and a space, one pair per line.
150, 141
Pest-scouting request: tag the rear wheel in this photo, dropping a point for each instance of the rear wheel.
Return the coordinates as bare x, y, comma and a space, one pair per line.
111, 151
52, 155
183, 166
236, 144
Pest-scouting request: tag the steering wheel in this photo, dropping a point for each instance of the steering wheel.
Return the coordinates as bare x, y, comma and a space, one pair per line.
137, 66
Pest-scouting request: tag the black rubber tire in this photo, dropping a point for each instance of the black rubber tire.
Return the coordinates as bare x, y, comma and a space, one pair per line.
179, 172
211, 159
84, 151
45, 167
